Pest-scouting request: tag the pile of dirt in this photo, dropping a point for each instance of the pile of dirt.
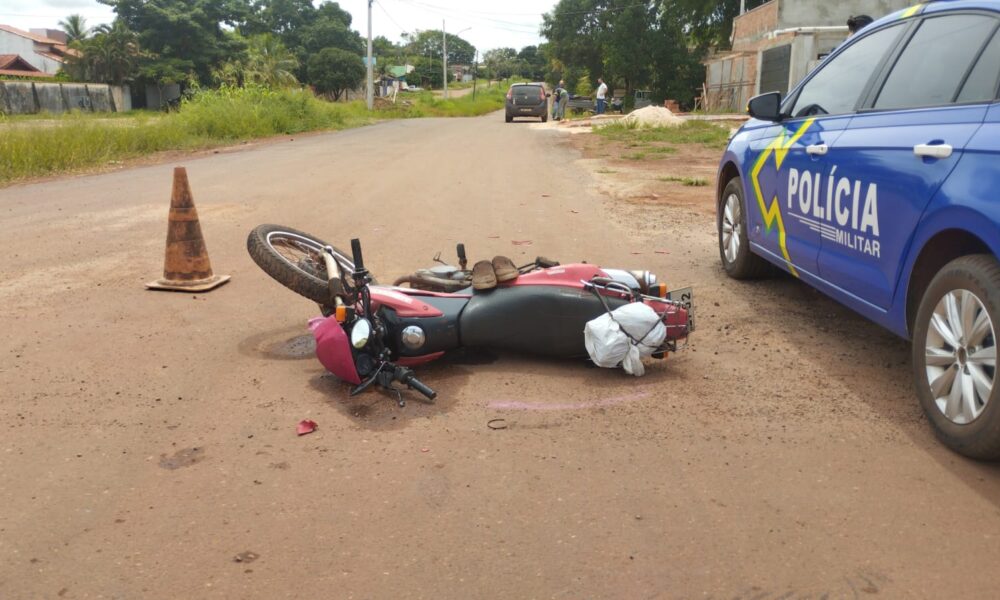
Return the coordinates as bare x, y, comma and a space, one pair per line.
653, 116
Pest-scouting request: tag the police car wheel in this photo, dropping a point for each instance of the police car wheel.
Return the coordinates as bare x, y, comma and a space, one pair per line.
734, 245
954, 355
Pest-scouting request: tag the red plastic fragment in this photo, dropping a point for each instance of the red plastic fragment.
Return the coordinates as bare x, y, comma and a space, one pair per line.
306, 426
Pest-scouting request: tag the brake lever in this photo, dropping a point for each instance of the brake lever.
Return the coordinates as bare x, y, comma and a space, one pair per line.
364, 385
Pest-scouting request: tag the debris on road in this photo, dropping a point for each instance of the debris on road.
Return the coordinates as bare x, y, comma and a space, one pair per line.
306, 426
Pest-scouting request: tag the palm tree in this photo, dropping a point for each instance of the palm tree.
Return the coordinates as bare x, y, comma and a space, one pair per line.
110, 56
75, 27
269, 63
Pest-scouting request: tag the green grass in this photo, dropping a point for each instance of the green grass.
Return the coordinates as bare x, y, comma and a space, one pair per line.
691, 132
425, 104
688, 181
39, 145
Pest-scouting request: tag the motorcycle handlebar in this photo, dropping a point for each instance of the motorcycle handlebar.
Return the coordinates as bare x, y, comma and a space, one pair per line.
416, 384
359, 263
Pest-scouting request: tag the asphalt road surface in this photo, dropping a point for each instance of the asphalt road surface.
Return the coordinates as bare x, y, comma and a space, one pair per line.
148, 446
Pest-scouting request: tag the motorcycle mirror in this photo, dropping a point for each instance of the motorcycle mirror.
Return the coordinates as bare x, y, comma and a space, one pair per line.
360, 333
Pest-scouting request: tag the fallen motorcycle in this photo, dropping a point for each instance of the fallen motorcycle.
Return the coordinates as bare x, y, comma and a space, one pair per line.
372, 334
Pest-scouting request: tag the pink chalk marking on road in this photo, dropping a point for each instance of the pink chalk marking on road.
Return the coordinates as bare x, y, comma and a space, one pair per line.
521, 405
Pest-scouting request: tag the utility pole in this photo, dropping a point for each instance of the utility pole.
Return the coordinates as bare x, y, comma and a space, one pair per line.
475, 74
444, 57
371, 80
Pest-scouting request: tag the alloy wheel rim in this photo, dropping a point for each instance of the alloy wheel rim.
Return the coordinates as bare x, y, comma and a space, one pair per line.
732, 224
960, 356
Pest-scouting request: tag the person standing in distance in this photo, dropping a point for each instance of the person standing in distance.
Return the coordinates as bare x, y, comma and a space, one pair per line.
857, 23
602, 95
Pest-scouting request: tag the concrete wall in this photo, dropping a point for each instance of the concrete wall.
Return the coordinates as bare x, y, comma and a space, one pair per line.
27, 97
731, 79
802, 13
158, 97
754, 25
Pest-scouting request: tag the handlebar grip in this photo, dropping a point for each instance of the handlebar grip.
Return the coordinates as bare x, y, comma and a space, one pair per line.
359, 263
415, 384
460, 249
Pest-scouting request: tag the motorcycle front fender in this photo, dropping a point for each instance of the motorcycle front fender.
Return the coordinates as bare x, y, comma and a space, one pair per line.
333, 349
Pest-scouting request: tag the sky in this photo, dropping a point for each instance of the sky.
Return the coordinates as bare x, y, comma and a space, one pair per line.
485, 24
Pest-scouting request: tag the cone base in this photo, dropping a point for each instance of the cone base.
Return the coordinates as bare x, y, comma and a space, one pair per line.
198, 285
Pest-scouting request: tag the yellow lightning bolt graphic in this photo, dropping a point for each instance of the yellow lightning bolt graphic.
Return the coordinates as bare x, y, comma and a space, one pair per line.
913, 10
779, 146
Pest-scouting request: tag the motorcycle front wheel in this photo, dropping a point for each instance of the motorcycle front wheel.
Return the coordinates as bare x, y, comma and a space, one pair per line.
295, 260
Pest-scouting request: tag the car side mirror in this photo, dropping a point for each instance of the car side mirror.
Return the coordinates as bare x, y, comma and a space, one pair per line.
766, 107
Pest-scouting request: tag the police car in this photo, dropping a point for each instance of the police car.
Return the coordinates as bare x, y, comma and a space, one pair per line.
877, 181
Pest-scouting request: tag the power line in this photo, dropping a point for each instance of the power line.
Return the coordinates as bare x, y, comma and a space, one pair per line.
388, 16
477, 21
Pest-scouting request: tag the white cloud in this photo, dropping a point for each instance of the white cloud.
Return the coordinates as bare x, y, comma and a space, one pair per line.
28, 14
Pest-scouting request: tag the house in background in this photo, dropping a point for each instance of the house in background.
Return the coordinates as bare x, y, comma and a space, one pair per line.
45, 54
777, 44
12, 65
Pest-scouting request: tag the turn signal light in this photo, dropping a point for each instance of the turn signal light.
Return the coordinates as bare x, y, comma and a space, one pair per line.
661, 290
341, 314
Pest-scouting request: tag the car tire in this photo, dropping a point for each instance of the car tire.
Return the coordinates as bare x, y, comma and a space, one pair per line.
734, 244
954, 344
545, 118
508, 118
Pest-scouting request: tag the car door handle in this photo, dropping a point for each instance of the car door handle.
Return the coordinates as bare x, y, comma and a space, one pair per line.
817, 149
933, 150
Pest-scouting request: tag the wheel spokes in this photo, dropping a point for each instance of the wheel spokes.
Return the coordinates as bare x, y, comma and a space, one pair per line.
960, 356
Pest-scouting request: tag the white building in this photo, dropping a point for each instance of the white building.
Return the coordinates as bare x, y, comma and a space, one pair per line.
43, 53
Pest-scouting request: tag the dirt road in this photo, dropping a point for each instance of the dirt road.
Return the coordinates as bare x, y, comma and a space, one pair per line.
148, 445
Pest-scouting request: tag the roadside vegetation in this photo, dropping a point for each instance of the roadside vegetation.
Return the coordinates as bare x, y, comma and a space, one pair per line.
662, 140
49, 144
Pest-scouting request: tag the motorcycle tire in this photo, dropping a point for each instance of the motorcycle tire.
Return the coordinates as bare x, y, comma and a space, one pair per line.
293, 259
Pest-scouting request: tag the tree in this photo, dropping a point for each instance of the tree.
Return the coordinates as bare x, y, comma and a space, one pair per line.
634, 45
531, 63
75, 27
332, 71
110, 56
708, 22
188, 35
500, 63
427, 72
428, 43
266, 62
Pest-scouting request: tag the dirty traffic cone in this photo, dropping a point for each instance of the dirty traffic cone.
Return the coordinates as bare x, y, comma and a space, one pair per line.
186, 268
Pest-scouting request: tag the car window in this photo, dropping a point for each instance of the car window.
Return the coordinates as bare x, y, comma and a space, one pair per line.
981, 86
935, 61
527, 90
835, 88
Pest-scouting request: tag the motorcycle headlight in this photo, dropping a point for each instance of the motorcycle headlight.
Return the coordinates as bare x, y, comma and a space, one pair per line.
360, 332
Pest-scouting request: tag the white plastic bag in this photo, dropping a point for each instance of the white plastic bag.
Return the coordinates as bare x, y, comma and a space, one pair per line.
608, 344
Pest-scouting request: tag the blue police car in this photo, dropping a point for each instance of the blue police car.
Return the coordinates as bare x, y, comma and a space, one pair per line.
877, 181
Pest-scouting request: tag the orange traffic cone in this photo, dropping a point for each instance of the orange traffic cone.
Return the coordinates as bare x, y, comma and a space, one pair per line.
186, 268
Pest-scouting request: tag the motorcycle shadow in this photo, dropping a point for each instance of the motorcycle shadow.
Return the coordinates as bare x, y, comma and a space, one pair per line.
509, 382
378, 409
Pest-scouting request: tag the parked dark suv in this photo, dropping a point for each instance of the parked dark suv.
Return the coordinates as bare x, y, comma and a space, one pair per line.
527, 100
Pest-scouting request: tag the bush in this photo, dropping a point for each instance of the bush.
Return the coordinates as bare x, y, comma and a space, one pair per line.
206, 118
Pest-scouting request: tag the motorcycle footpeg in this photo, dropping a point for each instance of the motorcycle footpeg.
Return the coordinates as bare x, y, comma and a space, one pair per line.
546, 263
